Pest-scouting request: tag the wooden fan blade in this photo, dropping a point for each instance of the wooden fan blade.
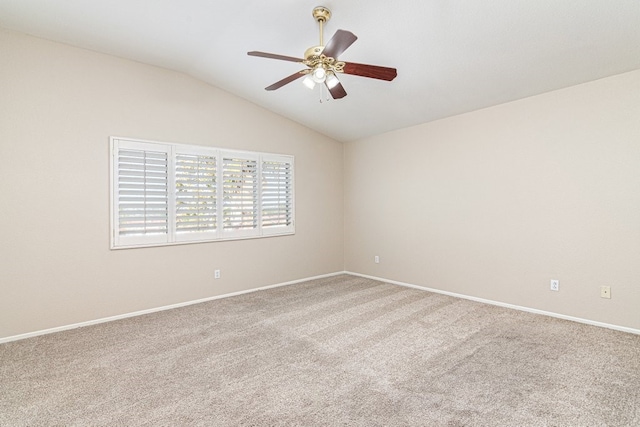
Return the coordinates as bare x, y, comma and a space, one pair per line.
337, 91
286, 80
371, 71
274, 56
340, 41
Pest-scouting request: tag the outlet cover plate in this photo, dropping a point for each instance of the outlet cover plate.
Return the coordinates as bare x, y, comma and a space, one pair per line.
554, 285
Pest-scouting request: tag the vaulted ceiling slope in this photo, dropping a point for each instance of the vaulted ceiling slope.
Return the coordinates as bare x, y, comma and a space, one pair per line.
452, 57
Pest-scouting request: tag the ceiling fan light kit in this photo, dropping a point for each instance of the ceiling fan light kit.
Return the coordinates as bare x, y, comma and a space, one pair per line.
322, 64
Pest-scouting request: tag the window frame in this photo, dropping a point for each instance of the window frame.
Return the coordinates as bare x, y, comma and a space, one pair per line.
172, 235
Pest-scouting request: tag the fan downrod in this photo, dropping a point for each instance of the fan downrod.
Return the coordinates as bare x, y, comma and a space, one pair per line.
322, 15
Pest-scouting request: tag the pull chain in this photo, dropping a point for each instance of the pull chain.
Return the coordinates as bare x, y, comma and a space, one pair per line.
323, 95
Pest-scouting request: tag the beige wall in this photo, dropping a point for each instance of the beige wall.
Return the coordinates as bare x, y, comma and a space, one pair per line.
58, 107
495, 203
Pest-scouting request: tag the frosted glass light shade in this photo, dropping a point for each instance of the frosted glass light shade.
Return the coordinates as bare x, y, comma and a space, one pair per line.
332, 80
309, 82
319, 74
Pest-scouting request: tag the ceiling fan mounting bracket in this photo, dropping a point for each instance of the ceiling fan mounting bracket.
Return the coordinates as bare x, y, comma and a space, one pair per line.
321, 14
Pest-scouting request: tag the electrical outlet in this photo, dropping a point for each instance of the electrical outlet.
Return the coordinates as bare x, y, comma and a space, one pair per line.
605, 292
555, 285
216, 274
376, 259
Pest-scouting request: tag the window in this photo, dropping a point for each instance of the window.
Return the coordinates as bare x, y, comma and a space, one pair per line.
165, 193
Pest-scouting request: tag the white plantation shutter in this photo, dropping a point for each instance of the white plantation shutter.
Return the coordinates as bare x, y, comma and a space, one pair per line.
164, 193
276, 194
196, 196
239, 194
142, 197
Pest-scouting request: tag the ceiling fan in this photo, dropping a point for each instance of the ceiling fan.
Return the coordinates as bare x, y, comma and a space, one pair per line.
323, 65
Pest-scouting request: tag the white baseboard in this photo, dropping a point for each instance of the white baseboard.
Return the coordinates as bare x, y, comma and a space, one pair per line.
293, 282
502, 304
154, 310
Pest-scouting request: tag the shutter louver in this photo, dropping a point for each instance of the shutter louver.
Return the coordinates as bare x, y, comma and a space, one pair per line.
196, 201
277, 194
240, 193
142, 192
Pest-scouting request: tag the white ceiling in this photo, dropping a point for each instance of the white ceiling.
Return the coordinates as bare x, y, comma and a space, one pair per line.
452, 56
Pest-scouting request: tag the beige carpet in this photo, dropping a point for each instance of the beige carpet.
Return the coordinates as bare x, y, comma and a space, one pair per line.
341, 351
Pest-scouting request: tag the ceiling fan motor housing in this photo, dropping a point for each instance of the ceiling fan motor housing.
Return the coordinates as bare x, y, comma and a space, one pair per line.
313, 51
